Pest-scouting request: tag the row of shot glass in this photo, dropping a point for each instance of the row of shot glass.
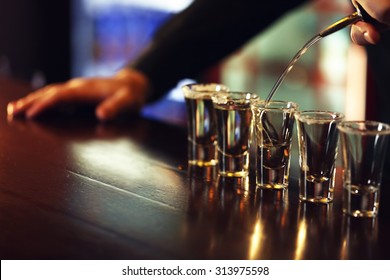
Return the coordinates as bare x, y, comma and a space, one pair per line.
220, 128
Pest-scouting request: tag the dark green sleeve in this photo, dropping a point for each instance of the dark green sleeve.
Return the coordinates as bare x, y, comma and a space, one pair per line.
203, 34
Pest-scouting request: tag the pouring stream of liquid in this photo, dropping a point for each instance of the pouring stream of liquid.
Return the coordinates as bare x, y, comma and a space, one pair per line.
356, 16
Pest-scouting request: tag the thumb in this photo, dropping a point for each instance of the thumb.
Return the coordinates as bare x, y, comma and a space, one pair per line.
364, 33
122, 100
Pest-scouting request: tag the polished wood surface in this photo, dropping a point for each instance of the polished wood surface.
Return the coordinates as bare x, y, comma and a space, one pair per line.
72, 188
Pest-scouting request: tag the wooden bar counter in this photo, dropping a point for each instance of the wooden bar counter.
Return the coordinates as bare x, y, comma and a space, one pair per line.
74, 188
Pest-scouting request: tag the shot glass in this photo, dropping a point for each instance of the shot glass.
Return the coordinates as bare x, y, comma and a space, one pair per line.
364, 145
234, 126
273, 125
318, 139
201, 123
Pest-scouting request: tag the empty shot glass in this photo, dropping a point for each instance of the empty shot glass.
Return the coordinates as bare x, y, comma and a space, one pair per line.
364, 145
318, 139
273, 125
201, 123
234, 125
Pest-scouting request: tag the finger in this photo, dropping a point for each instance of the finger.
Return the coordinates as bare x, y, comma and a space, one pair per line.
121, 100
19, 106
363, 33
61, 95
378, 9
50, 99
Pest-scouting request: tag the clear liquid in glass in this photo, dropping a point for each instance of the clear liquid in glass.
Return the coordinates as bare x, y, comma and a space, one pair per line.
202, 131
234, 130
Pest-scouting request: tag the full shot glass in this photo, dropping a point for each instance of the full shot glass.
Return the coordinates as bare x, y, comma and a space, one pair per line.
273, 125
318, 139
201, 123
364, 145
234, 125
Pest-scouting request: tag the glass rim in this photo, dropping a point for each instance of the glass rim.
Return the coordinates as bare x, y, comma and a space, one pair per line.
364, 127
200, 90
273, 105
240, 96
321, 115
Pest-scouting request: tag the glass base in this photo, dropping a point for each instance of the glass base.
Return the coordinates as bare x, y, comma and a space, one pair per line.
271, 186
316, 192
361, 214
316, 199
202, 155
233, 166
360, 200
272, 178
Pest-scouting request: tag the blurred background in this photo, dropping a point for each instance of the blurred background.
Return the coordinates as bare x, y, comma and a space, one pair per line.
51, 41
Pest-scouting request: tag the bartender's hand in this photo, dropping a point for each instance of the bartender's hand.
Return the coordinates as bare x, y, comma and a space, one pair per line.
124, 91
363, 33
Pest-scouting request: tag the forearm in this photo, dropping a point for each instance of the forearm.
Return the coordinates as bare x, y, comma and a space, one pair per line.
202, 35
